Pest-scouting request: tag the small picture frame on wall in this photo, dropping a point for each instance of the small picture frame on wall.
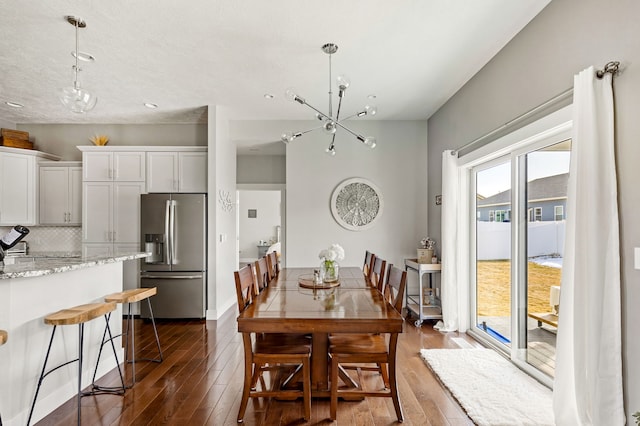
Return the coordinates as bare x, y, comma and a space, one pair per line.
253, 213
438, 200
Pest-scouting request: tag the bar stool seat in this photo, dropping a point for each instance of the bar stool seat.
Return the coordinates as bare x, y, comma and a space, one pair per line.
71, 316
133, 296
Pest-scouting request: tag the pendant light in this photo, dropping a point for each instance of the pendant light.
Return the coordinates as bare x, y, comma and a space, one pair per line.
75, 98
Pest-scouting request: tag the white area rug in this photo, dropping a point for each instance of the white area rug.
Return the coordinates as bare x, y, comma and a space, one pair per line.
491, 389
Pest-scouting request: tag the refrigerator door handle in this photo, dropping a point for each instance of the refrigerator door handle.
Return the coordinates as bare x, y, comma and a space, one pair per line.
173, 232
169, 243
173, 277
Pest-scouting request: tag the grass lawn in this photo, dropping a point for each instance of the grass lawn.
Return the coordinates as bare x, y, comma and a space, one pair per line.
494, 287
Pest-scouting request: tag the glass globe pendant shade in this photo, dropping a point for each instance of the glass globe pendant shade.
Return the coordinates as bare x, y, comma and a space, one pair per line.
329, 127
343, 82
370, 141
371, 109
331, 151
77, 99
286, 137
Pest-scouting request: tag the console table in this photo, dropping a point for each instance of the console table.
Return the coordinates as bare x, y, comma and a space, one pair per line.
425, 304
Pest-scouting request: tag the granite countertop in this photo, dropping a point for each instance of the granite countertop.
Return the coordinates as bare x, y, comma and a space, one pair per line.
46, 265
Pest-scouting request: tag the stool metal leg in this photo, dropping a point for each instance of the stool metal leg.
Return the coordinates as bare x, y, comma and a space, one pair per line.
80, 344
155, 331
42, 375
117, 390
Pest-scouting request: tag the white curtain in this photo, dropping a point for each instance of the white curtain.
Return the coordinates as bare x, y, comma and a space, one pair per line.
588, 373
455, 247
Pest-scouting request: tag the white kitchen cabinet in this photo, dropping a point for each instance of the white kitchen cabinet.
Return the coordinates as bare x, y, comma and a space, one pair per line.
17, 188
177, 171
60, 193
111, 212
116, 166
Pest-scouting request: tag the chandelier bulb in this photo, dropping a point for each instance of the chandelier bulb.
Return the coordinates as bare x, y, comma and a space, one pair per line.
331, 151
320, 116
329, 127
370, 141
286, 137
343, 82
371, 109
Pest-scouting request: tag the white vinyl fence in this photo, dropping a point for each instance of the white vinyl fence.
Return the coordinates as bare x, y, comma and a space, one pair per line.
544, 239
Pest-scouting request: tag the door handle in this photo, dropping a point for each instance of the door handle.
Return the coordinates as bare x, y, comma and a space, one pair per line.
177, 277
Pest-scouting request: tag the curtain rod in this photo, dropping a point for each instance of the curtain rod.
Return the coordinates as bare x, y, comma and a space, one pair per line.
556, 99
610, 67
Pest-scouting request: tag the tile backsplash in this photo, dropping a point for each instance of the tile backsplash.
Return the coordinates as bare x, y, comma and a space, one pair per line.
52, 238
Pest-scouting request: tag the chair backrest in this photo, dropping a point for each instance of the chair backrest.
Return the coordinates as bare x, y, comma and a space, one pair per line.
377, 273
245, 286
369, 258
262, 273
395, 287
273, 264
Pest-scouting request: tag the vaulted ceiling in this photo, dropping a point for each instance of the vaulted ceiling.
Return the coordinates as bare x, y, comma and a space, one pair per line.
411, 54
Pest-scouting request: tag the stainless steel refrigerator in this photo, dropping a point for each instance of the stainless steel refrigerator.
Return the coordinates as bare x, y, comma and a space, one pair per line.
174, 230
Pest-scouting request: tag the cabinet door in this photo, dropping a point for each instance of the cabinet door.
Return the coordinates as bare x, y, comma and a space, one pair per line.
162, 172
75, 196
97, 249
17, 189
192, 168
97, 201
97, 166
129, 166
54, 195
126, 211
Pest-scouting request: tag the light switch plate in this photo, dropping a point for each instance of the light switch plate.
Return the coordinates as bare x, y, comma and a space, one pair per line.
636, 262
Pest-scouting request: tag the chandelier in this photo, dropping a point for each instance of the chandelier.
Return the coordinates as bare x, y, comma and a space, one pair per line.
330, 124
74, 97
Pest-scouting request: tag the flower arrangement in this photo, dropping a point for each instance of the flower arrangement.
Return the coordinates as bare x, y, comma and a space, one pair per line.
428, 243
99, 140
329, 262
637, 417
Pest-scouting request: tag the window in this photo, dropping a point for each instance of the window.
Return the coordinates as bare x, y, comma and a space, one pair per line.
537, 214
501, 216
558, 213
492, 215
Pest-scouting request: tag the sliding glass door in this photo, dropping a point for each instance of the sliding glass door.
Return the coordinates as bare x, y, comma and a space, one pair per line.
518, 224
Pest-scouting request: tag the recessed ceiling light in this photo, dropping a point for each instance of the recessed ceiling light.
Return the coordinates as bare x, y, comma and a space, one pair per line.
14, 104
371, 97
86, 57
151, 105
268, 96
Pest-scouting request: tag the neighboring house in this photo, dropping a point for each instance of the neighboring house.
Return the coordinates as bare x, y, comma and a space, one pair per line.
547, 201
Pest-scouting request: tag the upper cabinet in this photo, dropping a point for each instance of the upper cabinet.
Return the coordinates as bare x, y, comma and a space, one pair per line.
119, 166
181, 171
60, 193
19, 185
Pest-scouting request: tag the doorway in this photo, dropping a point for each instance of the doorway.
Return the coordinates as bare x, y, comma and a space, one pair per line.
260, 222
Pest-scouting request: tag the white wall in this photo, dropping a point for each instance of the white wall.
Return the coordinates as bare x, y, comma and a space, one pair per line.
398, 166
222, 224
62, 139
539, 63
263, 227
543, 239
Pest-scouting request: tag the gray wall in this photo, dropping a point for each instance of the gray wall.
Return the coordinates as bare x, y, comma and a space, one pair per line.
62, 139
539, 63
261, 169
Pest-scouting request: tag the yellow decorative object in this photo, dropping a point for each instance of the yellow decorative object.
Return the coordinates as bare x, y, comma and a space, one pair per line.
100, 140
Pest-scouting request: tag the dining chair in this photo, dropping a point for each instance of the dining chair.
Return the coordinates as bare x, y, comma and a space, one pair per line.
262, 273
367, 266
369, 349
377, 273
273, 264
269, 349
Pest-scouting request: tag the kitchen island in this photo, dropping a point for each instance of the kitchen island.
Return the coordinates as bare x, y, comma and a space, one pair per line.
30, 290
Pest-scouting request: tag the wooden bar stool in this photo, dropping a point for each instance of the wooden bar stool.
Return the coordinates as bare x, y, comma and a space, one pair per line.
129, 297
3, 340
77, 315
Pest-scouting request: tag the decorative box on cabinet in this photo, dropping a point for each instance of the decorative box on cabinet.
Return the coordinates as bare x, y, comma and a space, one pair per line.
60, 200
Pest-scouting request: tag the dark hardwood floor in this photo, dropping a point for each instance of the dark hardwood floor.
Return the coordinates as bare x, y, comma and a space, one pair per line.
200, 383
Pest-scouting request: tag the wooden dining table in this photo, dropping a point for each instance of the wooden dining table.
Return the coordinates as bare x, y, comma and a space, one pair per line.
352, 307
